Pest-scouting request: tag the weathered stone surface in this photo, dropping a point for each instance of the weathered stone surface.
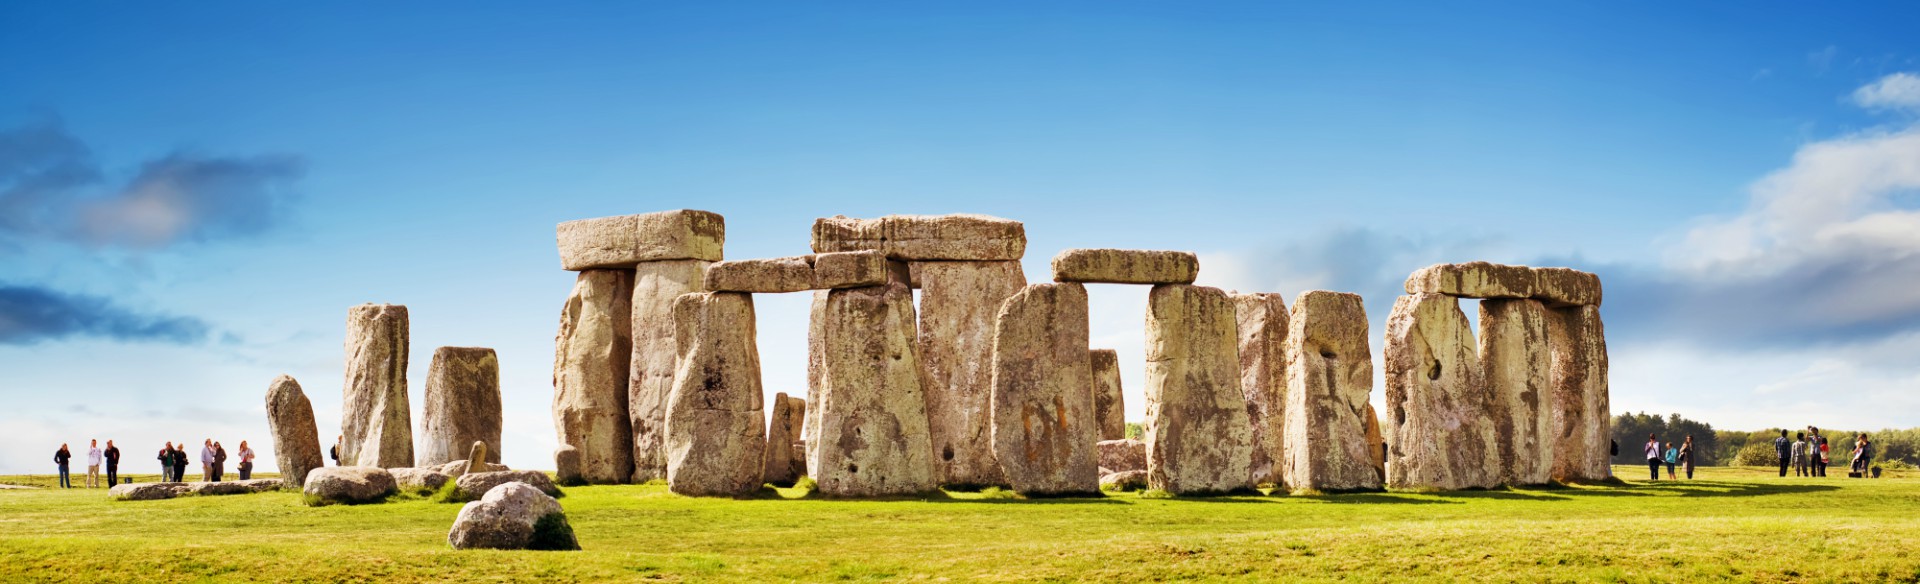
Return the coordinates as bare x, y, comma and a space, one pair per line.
473, 485
220, 488
924, 237
1514, 356
1198, 437
419, 480
296, 439
1123, 455
620, 242
146, 491
350, 485
460, 467
783, 429
512, 516
958, 303
715, 432
1329, 377
650, 375
1473, 280
463, 404
1043, 426
1262, 321
1125, 480
375, 421
1582, 426
852, 269
592, 354
566, 465
816, 350
770, 275
263, 485
1561, 287
478, 457
1437, 402
1109, 403
873, 437
1126, 266
1376, 441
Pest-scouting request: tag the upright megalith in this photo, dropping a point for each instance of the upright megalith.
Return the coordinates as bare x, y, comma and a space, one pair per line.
958, 303
463, 404
1126, 266
1109, 404
1376, 441
1043, 431
1262, 321
620, 242
1582, 427
783, 431
650, 377
1514, 355
591, 355
1437, 402
375, 421
1329, 379
872, 437
296, 439
714, 435
1198, 436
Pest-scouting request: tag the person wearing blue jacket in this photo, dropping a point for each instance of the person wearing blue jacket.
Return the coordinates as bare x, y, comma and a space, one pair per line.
1673, 458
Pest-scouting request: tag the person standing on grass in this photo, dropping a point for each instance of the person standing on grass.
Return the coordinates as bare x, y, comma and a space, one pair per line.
93, 464
1613, 451
246, 461
206, 461
1783, 449
1686, 456
1800, 455
1862, 454
1824, 459
166, 463
113, 464
180, 462
61, 457
1653, 457
219, 462
1673, 457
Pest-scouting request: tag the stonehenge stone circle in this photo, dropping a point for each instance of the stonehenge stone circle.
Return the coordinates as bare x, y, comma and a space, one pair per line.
375, 420
620, 242
512, 516
1436, 398
1125, 266
1580, 410
873, 437
924, 237
1514, 356
958, 303
715, 436
1043, 427
296, 439
1109, 403
1329, 378
785, 463
463, 404
1262, 322
650, 377
349, 485
591, 355
852, 269
1473, 280
1199, 439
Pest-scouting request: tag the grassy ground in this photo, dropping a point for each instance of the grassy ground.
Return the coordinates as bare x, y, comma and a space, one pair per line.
1731, 524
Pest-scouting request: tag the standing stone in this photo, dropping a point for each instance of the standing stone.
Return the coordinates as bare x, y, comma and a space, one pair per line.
816, 367
1329, 377
873, 437
463, 404
958, 302
1262, 321
1514, 356
714, 435
377, 426
477, 458
1199, 439
796, 446
781, 434
1043, 430
296, 439
591, 357
650, 376
1109, 404
1376, 442
1582, 426
1437, 402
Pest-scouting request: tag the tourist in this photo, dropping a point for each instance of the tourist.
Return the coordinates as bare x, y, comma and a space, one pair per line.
1800, 455
206, 461
1783, 451
93, 464
61, 457
1613, 451
180, 462
219, 462
1862, 454
1824, 459
166, 463
1673, 457
336, 449
113, 464
1686, 456
246, 461
1653, 456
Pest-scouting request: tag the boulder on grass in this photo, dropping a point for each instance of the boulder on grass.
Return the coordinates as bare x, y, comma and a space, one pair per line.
1126, 480
419, 480
263, 485
349, 485
472, 486
512, 516
146, 491
221, 488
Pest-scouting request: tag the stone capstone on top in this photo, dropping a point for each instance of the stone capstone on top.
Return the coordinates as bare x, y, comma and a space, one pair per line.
824, 271
924, 237
621, 242
1553, 286
1125, 266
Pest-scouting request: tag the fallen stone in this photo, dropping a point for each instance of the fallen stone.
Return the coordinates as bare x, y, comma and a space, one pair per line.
460, 467
419, 480
1126, 480
715, 432
1109, 403
958, 304
566, 466
924, 237
472, 486
296, 439
650, 377
591, 355
1582, 432
463, 404
220, 488
1043, 426
872, 438
146, 491
1262, 322
1329, 378
1123, 455
620, 242
262, 485
512, 516
1564, 287
1126, 266
376, 425
1198, 437
1514, 356
349, 485
779, 468
1436, 399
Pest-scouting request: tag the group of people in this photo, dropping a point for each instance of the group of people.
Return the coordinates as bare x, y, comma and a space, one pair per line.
1667, 454
173, 463
1809, 454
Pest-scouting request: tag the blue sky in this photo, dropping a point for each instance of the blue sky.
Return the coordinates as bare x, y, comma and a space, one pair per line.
192, 195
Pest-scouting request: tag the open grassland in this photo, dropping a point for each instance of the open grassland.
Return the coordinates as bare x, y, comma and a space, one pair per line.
1729, 525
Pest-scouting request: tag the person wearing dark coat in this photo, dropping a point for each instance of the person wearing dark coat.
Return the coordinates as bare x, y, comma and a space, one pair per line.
61, 457
219, 461
166, 463
179, 462
113, 464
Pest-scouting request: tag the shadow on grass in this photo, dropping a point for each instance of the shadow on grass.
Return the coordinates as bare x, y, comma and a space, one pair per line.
1380, 498
1702, 489
1519, 495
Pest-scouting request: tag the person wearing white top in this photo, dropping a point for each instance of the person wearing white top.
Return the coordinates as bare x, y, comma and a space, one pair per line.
246, 461
206, 461
93, 465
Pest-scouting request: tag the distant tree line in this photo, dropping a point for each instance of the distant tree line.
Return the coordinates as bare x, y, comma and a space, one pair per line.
1743, 448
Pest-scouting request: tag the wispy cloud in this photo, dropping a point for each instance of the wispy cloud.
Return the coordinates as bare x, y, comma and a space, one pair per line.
1899, 91
1822, 60
31, 315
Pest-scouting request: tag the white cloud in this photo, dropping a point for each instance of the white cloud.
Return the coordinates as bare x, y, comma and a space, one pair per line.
1896, 91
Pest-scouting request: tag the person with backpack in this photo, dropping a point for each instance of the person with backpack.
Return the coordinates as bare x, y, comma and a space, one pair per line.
1653, 456
1686, 456
60, 458
1783, 449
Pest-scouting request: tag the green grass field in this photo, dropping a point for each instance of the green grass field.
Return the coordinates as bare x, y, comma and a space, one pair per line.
1731, 524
